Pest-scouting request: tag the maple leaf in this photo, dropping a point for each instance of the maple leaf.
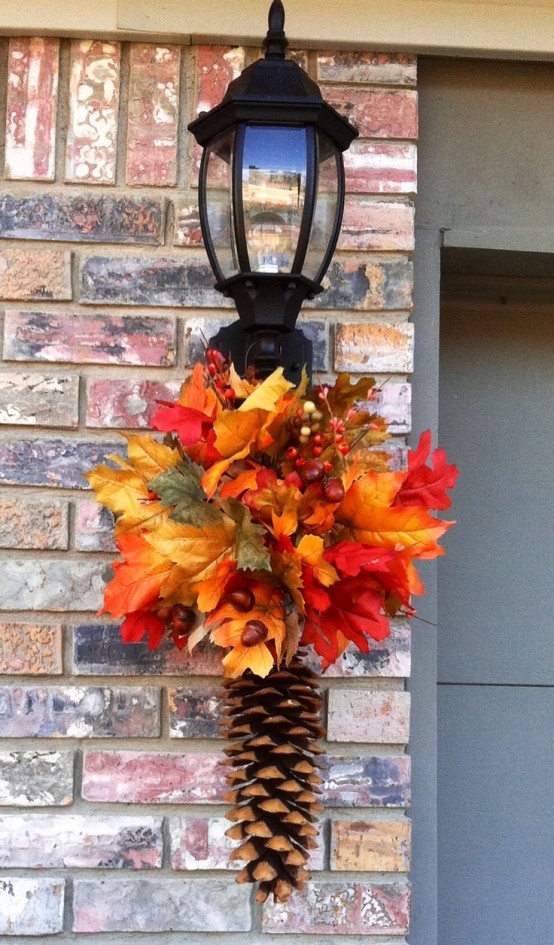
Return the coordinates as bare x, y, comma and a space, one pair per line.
243, 481
274, 502
311, 551
148, 457
211, 590
228, 625
369, 518
251, 552
314, 511
138, 578
343, 394
180, 487
189, 424
197, 393
426, 485
126, 494
355, 612
143, 623
266, 395
236, 435
197, 551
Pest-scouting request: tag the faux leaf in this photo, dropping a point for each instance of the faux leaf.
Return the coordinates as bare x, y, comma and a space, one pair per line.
251, 552
140, 624
126, 494
188, 424
426, 485
180, 487
236, 434
138, 578
343, 394
266, 394
148, 457
196, 550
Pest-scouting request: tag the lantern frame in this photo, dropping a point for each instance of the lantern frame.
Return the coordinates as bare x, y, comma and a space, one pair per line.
274, 92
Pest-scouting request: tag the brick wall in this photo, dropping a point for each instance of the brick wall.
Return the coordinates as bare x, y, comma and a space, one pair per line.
109, 760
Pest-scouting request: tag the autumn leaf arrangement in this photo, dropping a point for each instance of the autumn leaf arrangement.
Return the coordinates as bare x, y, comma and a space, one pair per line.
268, 524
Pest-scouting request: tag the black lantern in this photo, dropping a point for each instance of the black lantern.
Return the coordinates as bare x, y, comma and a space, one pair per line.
271, 196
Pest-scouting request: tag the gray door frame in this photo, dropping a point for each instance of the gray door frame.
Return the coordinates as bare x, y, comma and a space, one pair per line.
423, 682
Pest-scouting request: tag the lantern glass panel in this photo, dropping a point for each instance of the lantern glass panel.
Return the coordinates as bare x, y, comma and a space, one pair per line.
274, 169
219, 205
322, 236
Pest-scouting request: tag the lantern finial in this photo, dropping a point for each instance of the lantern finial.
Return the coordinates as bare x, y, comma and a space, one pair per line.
276, 42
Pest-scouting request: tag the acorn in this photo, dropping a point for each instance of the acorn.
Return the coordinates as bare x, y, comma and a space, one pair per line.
242, 599
182, 619
312, 471
254, 632
333, 490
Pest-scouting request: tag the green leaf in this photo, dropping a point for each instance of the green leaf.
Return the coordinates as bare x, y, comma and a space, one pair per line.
180, 487
251, 553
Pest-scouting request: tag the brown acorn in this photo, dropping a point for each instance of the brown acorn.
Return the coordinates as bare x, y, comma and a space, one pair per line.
254, 632
312, 471
182, 619
333, 490
242, 599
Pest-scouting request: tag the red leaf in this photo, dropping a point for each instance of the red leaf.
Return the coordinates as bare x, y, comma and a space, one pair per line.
350, 557
189, 424
426, 485
142, 622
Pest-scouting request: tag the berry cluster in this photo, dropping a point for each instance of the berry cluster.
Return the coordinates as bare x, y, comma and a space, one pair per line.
218, 369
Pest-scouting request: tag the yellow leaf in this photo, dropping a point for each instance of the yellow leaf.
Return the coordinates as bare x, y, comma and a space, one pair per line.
266, 394
126, 494
310, 549
242, 388
256, 658
148, 457
197, 550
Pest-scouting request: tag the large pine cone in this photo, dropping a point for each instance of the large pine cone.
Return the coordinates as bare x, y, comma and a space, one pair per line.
273, 723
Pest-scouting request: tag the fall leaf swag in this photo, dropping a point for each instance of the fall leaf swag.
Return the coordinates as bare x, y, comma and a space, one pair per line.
266, 522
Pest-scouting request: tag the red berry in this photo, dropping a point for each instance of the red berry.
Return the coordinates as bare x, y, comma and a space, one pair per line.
299, 462
343, 448
318, 439
254, 632
312, 471
292, 452
242, 599
327, 466
212, 370
317, 450
229, 393
333, 490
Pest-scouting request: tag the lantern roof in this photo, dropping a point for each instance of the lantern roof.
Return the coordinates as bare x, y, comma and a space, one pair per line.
276, 91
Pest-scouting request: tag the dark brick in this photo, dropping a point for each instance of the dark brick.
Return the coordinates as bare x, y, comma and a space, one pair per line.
366, 781
195, 713
381, 284
79, 712
86, 218
89, 339
59, 463
150, 281
98, 650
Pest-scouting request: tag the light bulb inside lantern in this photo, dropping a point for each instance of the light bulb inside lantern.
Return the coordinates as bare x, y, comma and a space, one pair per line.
267, 236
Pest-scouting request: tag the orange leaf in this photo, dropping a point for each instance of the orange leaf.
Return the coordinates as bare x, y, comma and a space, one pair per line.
198, 551
236, 434
211, 589
138, 578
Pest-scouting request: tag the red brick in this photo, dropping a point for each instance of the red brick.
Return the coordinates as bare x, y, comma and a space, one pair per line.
35, 275
77, 841
375, 347
372, 167
153, 115
187, 223
367, 67
134, 777
33, 523
378, 717
33, 68
89, 339
199, 843
161, 904
377, 113
370, 225
93, 118
345, 908
79, 712
370, 846
30, 649
31, 906
41, 400
36, 778
125, 403
216, 66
